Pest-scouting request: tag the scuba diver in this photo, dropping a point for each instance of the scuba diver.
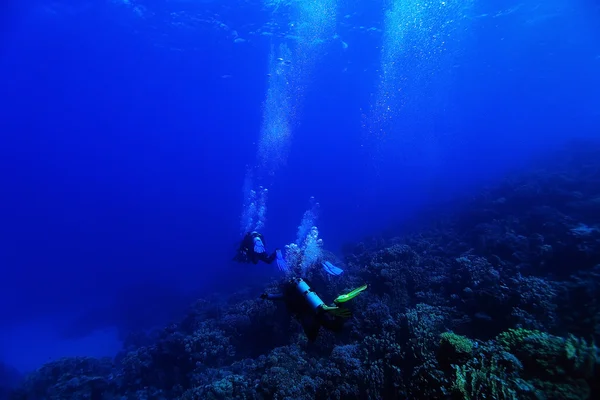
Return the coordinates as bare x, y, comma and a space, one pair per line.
310, 310
252, 249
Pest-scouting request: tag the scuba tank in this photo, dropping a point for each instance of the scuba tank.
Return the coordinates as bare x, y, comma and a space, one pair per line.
307, 293
317, 305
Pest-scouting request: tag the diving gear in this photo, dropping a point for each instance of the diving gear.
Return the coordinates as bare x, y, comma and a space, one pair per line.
259, 247
313, 314
252, 250
331, 269
317, 304
337, 311
281, 264
349, 296
311, 297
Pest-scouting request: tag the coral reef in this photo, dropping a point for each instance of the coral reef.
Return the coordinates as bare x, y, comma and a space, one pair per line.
495, 300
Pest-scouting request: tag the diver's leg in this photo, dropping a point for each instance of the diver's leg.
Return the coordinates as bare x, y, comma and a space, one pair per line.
311, 328
333, 324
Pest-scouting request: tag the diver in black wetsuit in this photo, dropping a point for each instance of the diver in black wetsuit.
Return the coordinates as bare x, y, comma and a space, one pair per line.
310, 310
252, 249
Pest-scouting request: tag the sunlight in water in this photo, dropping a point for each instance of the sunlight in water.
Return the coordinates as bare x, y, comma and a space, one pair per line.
414, 63
275, 132
255, 206
291, 63
292, 60
313, 25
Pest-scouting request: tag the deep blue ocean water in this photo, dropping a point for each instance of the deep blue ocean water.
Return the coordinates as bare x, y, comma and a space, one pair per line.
128, 127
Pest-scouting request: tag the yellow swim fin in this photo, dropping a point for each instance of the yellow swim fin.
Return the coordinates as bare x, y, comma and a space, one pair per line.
349, 296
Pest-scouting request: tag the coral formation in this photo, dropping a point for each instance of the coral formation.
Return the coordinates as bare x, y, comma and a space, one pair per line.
498, 301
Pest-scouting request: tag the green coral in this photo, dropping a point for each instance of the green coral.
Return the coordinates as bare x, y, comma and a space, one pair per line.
522, 364
488, 379
537, 350
460, 344
454, 349
583, 357
557, 367
549, 357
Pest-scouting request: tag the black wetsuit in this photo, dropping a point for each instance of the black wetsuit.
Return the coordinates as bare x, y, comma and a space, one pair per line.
310, 319
246, 251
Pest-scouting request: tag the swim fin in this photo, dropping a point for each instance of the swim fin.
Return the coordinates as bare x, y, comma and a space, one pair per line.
259, 247
281, 264
337, 311
331, 269
349, 296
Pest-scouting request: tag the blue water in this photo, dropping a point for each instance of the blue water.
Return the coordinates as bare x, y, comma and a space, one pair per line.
128, 127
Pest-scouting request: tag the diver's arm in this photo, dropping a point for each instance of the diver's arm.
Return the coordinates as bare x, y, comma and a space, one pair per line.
272, 296
267, 259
